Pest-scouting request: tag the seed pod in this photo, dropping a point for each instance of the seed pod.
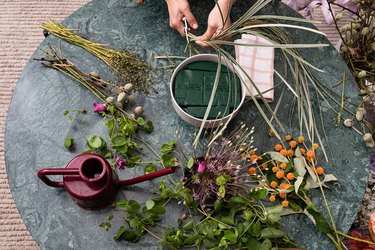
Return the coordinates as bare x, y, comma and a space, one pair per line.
138, 111
370, 144
367, 137
360, 113
365, 31
121, 97
128, 87
120, 105
131, 99
362, 74
93, 74
110, 99
348, 123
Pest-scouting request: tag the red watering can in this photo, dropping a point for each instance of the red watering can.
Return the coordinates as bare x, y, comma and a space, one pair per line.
91, 181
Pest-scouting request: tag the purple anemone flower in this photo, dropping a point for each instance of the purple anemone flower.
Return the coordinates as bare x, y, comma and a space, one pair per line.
121, 163
99, 107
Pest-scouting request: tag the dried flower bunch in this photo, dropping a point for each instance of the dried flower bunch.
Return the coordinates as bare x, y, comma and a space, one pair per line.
109, 93
128, 65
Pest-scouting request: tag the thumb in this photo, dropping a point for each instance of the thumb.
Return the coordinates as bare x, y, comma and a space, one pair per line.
206, 36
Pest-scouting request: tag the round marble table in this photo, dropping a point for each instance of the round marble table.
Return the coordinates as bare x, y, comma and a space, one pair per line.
36, 127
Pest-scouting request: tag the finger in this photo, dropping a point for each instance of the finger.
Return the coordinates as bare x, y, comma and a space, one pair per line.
191, 19
176, 24
206, 36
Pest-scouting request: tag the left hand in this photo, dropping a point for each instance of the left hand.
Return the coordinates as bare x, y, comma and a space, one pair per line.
215, 23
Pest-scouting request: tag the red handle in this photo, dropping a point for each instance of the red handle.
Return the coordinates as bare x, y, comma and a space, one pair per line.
42, 174
147, 177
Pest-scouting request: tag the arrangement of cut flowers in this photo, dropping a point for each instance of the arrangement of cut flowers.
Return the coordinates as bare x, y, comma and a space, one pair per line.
232, 195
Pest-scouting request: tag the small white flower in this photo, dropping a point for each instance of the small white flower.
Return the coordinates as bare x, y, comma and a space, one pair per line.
368, 137
360, 113
348, 123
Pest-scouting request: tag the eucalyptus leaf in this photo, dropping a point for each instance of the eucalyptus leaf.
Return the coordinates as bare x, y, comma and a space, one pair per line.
298, 183
276, 156
329, 177
299, 166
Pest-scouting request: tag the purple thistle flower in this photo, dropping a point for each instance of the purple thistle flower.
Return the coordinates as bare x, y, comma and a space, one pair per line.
99, 107
121, 163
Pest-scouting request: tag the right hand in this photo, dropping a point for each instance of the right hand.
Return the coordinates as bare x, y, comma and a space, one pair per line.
177, 10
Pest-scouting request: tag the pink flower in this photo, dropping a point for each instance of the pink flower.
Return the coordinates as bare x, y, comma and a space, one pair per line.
121, 163
99, 107
201, 166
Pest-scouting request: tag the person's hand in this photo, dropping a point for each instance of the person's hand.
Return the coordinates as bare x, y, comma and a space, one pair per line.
177, 10
215, 22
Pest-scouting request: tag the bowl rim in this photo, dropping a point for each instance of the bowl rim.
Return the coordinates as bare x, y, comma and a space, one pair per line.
210, 58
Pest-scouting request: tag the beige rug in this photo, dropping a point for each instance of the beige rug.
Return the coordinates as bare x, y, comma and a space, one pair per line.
19, 37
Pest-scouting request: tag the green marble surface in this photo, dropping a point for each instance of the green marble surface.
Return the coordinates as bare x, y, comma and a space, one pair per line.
36, 127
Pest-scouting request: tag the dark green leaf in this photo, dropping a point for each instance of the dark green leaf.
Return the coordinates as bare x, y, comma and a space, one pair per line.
68, 142
238, 200
148, 127
111, 127
141, 121
188, 225
149, 168
119, 233
261, 193
105, 225
266, 245
230, 235
248, 215
134, 222
110, 217
252, 243
218, 204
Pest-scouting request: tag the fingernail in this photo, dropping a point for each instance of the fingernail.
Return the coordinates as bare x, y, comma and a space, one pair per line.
195, 26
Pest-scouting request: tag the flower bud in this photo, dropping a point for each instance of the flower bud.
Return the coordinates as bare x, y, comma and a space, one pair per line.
362, 74
131, 99
348, 123
110, 99
367, 137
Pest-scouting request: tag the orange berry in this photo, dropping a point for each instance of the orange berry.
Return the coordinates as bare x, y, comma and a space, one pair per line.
252, 170
284, 186
303, 151
253, 157
243, 156
252, 152
320, 170
272, 198
301, 139
264, 165
282, 195
273, 184
278, 147
290, 176
315, 146
290, 153
275, 169
259, 158
284, 152
293, 144
283, 165
310, 153
285, 203
288, 137
280, 174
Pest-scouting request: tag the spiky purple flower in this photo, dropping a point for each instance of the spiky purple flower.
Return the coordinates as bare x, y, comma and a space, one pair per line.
99, 107
121, 163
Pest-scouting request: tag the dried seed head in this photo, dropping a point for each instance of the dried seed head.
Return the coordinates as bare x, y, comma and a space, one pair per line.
360, 113
348, 123
367, 137
138, 111
370, 144
121, 97
110, 99
128, 87
362, 74
120, 105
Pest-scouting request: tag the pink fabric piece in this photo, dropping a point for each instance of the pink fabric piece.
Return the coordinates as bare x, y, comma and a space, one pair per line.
258, 63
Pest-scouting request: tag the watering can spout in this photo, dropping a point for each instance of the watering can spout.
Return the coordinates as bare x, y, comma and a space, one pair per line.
148, 177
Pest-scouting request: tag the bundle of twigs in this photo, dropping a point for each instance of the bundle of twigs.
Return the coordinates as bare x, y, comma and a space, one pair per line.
128, 65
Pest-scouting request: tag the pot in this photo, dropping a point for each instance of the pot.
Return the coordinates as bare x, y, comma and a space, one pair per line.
195, 121
91, 181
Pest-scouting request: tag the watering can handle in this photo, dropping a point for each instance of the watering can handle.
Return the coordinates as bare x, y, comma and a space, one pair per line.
42, 174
